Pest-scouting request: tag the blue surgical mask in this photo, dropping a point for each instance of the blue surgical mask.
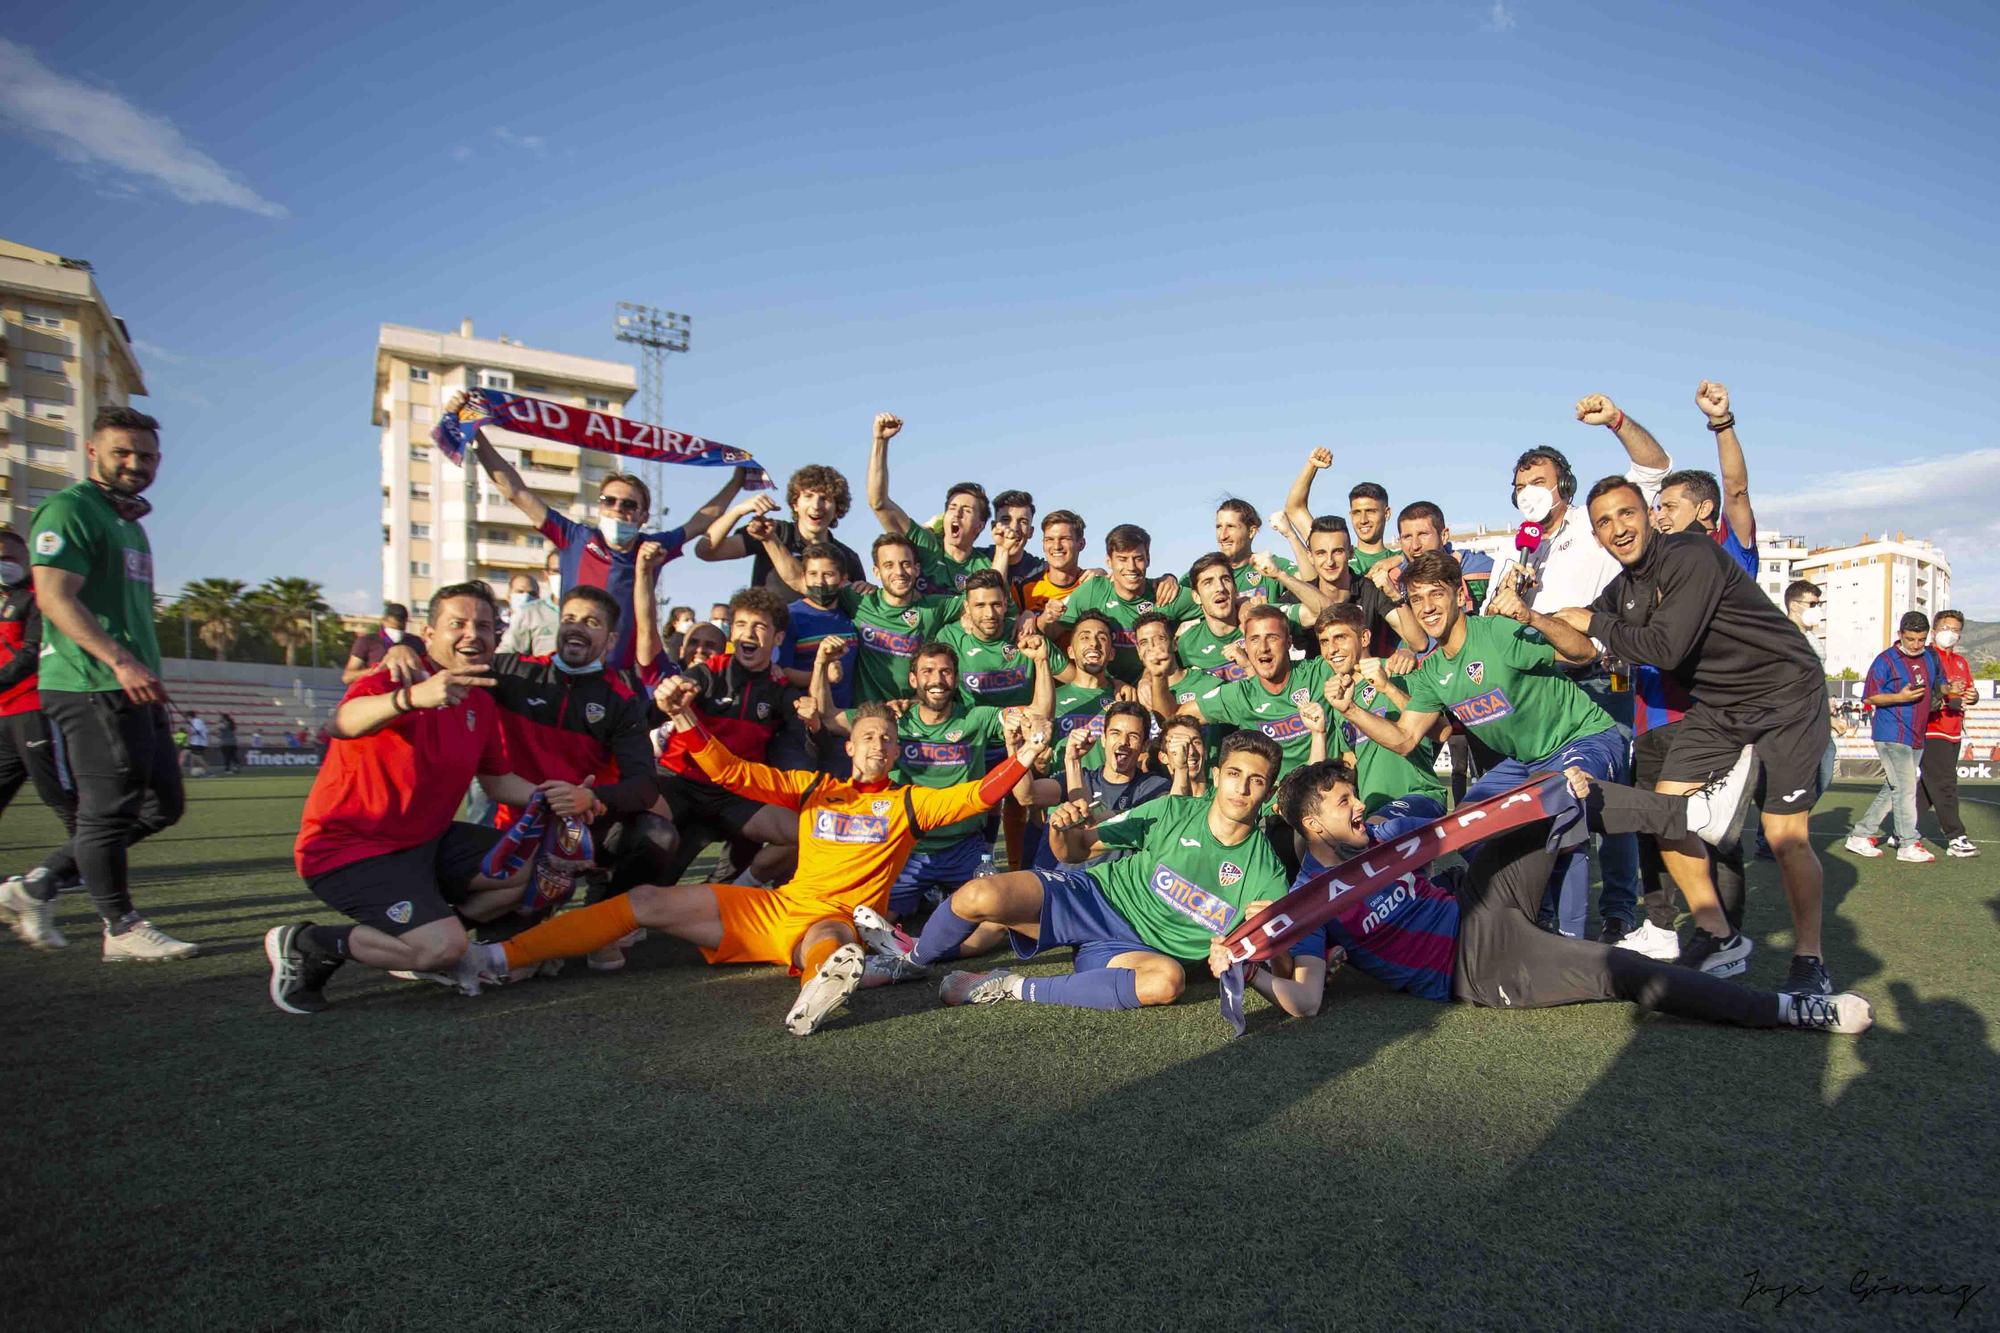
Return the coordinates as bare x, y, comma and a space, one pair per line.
618, 531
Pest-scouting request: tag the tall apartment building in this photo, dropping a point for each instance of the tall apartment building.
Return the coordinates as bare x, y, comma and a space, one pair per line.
63, 355
1868, 586
443, 524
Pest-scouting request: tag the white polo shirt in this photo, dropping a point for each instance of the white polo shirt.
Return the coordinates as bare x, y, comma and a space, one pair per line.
1570, 568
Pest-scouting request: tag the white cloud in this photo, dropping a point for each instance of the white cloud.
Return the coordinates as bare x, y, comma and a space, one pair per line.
1499, 18
155, 352
534, 143
96, 129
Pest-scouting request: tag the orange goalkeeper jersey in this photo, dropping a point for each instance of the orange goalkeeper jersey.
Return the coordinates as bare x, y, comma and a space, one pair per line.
853, 837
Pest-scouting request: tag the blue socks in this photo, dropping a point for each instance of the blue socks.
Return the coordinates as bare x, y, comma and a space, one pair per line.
1105, 988
943, 935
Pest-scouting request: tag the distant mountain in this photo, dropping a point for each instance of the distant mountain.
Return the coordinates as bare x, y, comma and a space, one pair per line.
1981, 641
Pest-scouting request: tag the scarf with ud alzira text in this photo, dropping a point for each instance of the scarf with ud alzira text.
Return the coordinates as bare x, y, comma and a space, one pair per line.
586, 429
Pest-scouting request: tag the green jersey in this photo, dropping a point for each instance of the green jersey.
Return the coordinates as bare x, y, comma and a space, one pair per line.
888, 637
943, 576
1363, 561
1183, 888
1079, 711
1247, 703
995, 673
1504, 688
1199, 647
1249, 580
1380, 774
945, 754
78, 531
1102, 595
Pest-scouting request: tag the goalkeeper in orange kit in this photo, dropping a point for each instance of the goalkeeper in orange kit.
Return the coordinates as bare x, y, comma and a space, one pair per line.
854, 836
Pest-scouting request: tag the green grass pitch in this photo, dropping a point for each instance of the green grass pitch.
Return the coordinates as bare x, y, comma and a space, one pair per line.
651, 1149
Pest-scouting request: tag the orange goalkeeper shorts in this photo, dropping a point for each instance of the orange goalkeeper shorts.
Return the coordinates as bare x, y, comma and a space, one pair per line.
765, 925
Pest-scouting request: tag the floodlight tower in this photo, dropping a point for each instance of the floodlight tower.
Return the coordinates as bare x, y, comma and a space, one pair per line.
656, 332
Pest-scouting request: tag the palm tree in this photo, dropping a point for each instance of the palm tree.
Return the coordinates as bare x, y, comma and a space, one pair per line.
216, 606
287, 606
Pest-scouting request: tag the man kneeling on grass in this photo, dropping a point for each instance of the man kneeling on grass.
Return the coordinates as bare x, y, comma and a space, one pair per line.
1199, 865
854, 836
1478, 941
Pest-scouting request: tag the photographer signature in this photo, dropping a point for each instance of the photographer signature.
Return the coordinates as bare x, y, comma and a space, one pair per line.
1863, 1287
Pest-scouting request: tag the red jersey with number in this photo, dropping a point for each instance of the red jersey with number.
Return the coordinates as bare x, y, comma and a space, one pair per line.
401, 786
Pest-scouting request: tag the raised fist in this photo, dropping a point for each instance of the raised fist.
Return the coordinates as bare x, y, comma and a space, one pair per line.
651, 557
1262, 562
1596, 410
1069, 814
1314, 717
1712, 399
832, 648
1338, 691
1035, 648
1506, 601
1320, 459
1370, 669
760, 529
674, 695
886, 425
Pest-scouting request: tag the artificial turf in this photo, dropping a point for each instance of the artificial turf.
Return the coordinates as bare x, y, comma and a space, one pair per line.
651, 1149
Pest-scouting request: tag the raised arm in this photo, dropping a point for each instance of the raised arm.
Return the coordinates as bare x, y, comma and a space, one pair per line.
364, 714
1403, 735
1298, 500
1713, 399
887, 512
715, 506
1644, 450
760, 782
647, 644
1309, 595
830, 651
719, 543
532, 506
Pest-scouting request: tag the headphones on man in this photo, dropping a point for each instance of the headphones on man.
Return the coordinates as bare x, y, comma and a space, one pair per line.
1565, 474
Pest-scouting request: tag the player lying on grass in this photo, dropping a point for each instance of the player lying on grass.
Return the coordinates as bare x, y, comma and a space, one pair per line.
1199, 865
378, 842
1478, 941
854, 836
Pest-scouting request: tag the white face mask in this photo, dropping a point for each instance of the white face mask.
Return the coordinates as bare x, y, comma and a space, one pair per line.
1945, 638
618, 531
392, 635
555, 586
1534, 502
517, 600
1814, 616
11, 572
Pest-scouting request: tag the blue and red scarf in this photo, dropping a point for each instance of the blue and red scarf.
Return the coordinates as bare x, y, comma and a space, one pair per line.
559, 845
585, 429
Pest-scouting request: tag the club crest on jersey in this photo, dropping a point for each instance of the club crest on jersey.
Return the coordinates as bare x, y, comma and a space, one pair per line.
594, 712
910, 616
1229, 873
1476, 673
878, 808
954, 734
401, 912
1145, 607
763, 709
48, 543
1300, 696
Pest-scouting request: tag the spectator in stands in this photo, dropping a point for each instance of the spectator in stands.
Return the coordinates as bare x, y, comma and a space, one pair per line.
1899, 689
256, 740
225, 736
1952, 692
531, 623
370, 646
679, 621
552, 574
718, 616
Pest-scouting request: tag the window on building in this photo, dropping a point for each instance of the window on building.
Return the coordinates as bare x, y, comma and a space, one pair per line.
41, 317
598, 404
534, 388
418, 453
495, 379
421, 531
418, 375
419, 492
47, 362
46, 409
421, 568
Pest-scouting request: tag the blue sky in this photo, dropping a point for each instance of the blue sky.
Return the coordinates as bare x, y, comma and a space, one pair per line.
1131, 258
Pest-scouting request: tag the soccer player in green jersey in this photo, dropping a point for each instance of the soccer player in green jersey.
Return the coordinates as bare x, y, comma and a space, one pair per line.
1140, 922
1236, 525
1207, 642
946, 557
1078, 705
892, 620
991, 670
1128, 594
1367, 509
1381, 775
100, 671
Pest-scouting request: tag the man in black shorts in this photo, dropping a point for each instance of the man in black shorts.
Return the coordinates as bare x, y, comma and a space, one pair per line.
1683, 604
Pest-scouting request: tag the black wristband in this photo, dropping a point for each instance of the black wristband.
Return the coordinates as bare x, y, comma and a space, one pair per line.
400, 699
1727, 421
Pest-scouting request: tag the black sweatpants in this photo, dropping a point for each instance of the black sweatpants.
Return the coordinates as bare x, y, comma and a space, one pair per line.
128, 784
1937, 785
29, 750
1506, 961
1658, 892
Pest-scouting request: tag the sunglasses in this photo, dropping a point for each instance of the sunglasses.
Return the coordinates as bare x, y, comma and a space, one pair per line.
626, 506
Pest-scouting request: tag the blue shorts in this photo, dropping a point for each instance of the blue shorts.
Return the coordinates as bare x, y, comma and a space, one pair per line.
1605, 755
945, 870
1076, 914
1395, 818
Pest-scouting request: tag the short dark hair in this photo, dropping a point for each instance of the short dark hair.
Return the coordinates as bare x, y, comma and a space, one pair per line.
476, 589
1267, 611
1014, 500
674, 613
397, 612
1565, 474
1436, 568
1421, 510
1070, 517
1914, 622
1799, 588
876, 709
1302, 788
824, 551
761, 602
1698, 484
1155, 617
1257, 743
1368, 490
1331, 523
117, 417
1092, 614
887, 540
984, 578
1611, 485
1246, 513
827, 481
1127, 537
1133, 709
934, 648
597, 597
1213, 560
977, 492
1943, 616
1349, 614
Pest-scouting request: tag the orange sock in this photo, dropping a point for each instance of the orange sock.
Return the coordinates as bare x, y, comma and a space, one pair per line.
815, 955
573, 933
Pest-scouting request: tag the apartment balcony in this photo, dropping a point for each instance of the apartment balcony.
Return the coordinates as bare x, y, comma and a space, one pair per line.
511, 555
562, 483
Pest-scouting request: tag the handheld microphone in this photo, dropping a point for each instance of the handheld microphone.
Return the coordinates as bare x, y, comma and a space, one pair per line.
1528, 537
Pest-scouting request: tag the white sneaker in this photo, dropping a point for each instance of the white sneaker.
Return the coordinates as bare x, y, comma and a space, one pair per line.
1652, 941
889, 970
1961, 846
977, 987
882, 938
1715, 812
1914, 850
1846, 1013
144, 942
826, 990
1861, 846
608, 959
32, 919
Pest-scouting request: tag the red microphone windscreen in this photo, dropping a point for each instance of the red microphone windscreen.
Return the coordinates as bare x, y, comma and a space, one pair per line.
1528, 537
